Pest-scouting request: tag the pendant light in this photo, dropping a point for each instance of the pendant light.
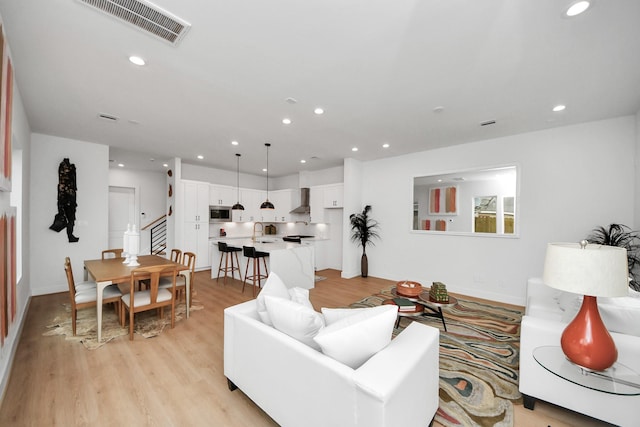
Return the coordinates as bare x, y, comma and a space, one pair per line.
267, 204
238, 206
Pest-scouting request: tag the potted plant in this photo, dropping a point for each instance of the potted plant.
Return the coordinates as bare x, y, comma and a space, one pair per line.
622, 236
363, 231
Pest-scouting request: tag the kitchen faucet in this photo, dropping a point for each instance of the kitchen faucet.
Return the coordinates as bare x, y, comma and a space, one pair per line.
253, 237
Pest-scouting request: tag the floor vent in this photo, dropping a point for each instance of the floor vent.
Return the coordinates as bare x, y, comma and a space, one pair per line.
145, 16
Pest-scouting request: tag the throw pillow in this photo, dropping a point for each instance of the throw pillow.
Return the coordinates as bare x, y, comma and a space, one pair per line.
354, 339
295, 319
273, 286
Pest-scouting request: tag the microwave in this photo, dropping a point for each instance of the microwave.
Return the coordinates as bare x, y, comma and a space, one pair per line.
219, 213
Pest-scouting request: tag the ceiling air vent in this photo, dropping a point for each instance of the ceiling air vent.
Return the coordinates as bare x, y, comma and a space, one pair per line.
145, 16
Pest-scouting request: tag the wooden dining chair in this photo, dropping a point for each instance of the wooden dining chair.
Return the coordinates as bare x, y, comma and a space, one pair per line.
112, 253
152, 298
176, 255
85, 295
188, 259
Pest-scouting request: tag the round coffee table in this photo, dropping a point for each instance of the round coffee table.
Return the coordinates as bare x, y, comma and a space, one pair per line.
423, 301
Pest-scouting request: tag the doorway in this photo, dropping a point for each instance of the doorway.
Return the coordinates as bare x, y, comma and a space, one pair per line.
122, 208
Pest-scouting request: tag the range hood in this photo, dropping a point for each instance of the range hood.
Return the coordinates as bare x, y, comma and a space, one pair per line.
304, 202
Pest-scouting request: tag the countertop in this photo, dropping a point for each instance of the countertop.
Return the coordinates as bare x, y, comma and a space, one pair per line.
262, 244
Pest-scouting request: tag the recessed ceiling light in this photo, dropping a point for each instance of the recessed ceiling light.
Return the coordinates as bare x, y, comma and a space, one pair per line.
354, 149
318, 111
576, 8
121, 165
234, 142
385, 145
200, 157
286, 121
559, 108
136, 60
291, 101
264, 169
303, 161
165, 165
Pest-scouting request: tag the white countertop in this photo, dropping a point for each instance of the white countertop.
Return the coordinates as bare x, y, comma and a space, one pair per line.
262, 244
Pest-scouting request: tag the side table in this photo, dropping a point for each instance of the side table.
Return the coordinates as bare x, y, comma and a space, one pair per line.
618, 379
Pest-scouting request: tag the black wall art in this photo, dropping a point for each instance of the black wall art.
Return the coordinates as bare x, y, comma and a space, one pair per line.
66, 216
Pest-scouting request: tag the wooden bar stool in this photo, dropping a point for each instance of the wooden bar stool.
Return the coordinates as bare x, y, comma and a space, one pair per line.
227, 253
251, 253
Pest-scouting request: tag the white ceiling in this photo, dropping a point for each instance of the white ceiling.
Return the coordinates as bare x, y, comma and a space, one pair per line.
379, 68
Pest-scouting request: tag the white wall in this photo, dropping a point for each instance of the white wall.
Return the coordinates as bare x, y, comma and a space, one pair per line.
636, 222
21, 140
49, 248
572, 179
151, 188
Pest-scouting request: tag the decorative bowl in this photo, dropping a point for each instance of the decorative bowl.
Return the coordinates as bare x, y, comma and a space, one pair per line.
407, 288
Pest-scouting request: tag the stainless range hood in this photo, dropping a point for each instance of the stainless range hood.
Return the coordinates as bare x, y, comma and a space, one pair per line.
304, 202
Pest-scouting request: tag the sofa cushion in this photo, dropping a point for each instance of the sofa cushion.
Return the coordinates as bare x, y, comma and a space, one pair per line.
274, 286
332, 315
354, 339
294, 319
301, 296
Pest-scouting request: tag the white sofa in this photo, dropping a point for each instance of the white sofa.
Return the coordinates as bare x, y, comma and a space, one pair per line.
547, 313
300, 386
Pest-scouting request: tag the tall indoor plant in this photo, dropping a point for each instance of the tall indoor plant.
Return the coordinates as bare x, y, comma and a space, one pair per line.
622, 236
363, 231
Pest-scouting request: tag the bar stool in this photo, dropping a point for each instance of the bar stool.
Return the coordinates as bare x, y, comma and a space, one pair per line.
227, 252
251, 253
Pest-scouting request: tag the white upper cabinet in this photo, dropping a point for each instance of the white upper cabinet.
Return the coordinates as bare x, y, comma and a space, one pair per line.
316, 201
221, 195
283, 203
196, 201
251, 200
333, 196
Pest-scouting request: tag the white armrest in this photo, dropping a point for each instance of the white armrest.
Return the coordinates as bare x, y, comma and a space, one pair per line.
398, 386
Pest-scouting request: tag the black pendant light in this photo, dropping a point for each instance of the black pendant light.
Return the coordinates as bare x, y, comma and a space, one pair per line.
238, 206
267, 204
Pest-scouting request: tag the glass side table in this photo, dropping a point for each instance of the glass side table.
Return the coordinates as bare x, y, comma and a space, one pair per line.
618, 379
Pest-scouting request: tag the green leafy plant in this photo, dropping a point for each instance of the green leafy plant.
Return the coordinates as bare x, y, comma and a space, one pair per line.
621, 236
363, 230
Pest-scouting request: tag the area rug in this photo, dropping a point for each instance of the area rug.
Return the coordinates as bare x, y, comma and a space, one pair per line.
147, 324
479, 361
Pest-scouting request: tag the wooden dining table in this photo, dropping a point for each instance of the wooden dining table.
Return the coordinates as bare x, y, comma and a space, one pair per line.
107, 272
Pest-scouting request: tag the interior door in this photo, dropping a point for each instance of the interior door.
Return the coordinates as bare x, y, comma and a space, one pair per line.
122, 207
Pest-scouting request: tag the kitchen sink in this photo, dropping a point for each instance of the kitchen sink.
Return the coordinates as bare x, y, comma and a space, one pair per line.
299, 236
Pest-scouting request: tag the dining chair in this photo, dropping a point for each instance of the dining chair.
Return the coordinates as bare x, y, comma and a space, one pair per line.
85, 295
152, 298
176, 255
188, 259
112, 253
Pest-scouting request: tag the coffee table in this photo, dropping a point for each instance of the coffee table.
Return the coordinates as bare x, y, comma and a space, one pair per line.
424, 302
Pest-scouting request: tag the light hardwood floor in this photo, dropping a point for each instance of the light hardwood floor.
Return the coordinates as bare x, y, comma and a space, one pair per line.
175, 379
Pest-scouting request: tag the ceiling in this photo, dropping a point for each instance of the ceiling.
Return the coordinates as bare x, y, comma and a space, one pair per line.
416, 74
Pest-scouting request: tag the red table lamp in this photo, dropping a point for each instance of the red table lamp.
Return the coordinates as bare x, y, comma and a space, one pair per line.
593, 271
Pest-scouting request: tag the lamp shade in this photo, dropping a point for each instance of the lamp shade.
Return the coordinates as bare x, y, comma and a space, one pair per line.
596, 270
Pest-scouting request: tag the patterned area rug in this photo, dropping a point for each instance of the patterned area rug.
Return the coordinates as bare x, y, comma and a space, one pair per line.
479, 361
147, 324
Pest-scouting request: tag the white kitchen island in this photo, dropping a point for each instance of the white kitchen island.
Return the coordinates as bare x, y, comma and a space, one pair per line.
292, 262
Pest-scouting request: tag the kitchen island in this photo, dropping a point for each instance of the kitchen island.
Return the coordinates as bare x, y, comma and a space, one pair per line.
292, 262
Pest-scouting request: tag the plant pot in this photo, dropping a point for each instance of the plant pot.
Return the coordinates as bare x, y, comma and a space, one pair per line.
364, 266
